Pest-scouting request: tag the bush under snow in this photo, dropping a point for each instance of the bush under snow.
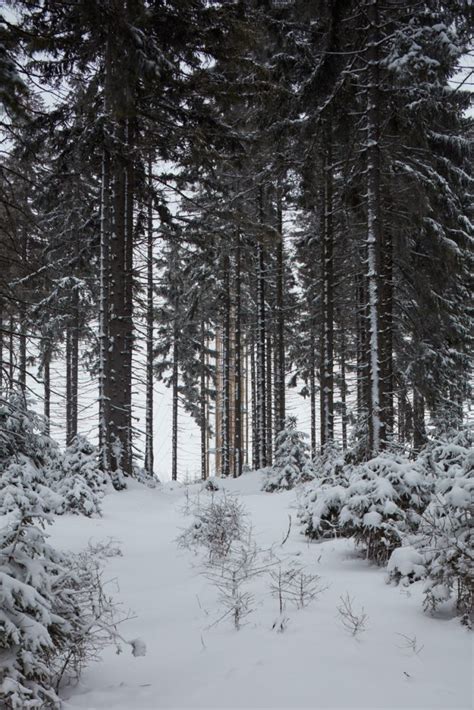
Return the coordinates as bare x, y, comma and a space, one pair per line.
440, 550
291, 464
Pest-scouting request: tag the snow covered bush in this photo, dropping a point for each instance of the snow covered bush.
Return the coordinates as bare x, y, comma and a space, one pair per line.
319, 509
22, 433
440, 551
54, 613
79, 480
383, 502
376, 502
323, 499
216, 526
291, 461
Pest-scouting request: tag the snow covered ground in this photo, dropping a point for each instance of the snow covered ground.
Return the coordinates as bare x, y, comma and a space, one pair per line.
314, 663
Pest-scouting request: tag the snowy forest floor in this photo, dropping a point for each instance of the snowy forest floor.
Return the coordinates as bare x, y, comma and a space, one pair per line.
314, 663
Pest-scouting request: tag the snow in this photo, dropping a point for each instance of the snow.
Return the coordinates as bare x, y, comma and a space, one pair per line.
314, 663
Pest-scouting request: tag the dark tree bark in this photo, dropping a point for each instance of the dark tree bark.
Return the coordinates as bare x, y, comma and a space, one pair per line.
343, 385
419, 430
238, 364
312, 396
253, 377
202, 402
226, 366
279, 375
174, 416
376, 428
72, 373
47, 387
149, 458
327, 265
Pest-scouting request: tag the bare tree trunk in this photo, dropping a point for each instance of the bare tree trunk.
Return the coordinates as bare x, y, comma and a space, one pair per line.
47, 388
280, 323
253, 376
343, 385
11, 347
2, 378
312, 396
327, 263
202, 402
238, 364
72, 363
269, 407
219, 362
386, 331
174, 423
374, 234
261, 360
226, 368
149, 457
104, 409
129, 188
419, 430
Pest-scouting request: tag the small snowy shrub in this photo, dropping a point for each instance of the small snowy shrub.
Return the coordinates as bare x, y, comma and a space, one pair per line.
384, 501
54, 614
216, 526
79, 480
22, 432
440, 551
319, 510
291, 461
323, 499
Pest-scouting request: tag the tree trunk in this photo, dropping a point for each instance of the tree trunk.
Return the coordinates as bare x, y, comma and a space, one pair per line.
104, 409
72, 372
269, 407
149, 458
312, 396
11, 347
279, 375
253, 377
343, 387
47, 387
374, 235
202, 402
327, 263
226, 367
238, 364
419, 431
174, 424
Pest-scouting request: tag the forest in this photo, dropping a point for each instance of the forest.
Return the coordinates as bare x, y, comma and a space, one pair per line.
256, 217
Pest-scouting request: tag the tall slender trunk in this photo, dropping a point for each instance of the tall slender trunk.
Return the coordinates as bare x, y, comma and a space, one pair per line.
342, 346
174, 423
202, 401
47, 387
386, 331
312, 395
238, 364
2, 378
419, 430
279, 375
374, 234
253, 377
11, 348
218, 455
226, 367
268, 404
22, 326
149, 458
127, 365
72, 371
104, 409
327, 262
